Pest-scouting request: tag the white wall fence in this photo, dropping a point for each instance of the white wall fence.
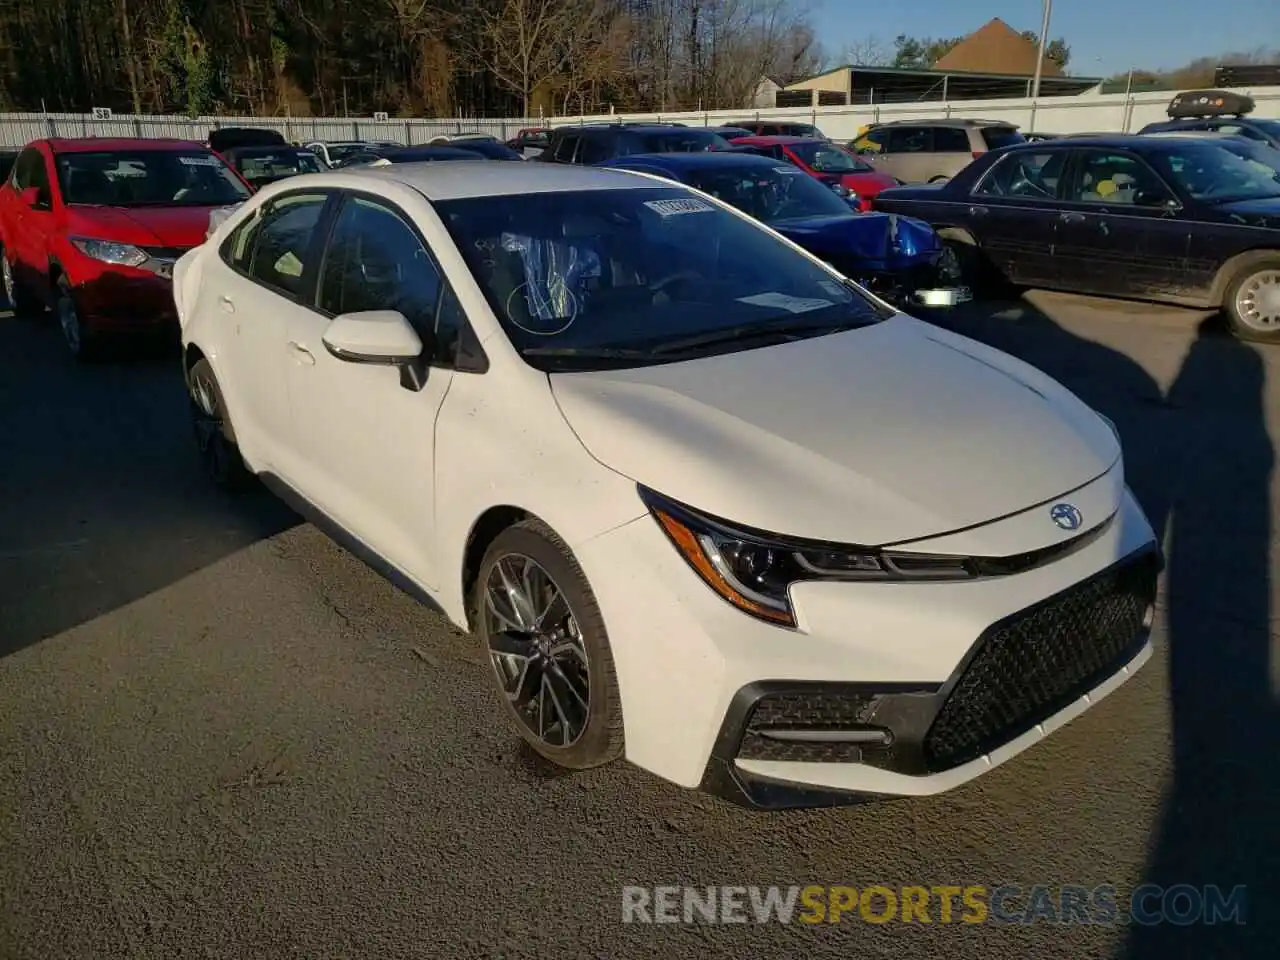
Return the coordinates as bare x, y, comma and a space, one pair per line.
1082, 114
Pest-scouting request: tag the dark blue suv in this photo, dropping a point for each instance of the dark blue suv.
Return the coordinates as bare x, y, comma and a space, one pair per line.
1216, 111
597, 142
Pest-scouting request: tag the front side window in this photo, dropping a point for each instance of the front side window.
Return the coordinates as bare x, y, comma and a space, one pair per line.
1222, 172
284, 242
565, 149
1025, 175
594, 150
376, 262
634, 276
770, 194
1116, 179
827, 157
148, 178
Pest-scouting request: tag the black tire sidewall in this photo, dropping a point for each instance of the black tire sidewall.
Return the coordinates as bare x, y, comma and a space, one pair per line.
602, 740
88, 342
236, 476
1239, 329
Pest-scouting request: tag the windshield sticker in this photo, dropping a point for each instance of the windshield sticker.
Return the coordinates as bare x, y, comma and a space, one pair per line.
781, 301
833, 288
289, 265
671, 208
199, 161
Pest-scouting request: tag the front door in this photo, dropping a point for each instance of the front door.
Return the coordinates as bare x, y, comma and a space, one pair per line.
34, 225
1118, 233
1013, 214
367, 439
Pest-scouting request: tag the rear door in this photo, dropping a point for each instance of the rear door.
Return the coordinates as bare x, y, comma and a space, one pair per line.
1117, 234
908, 154
1014, 213
952, 152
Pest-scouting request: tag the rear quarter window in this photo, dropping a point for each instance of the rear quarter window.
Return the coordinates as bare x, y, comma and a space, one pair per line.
997, 137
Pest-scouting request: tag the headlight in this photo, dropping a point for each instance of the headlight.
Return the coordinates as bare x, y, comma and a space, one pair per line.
122, 254
754, 571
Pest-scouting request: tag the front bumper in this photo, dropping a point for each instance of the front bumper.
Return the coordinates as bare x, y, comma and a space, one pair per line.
693, 672
124, 299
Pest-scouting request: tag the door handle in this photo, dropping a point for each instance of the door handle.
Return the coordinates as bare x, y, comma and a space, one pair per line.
978, 211
1071, 217
301, 354
227, 305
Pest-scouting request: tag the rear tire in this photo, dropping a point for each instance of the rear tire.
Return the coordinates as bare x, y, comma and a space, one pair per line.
1252, 301
215, 437
545, 638
977, 273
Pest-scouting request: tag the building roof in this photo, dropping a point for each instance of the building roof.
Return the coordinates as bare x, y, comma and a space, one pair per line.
996, 48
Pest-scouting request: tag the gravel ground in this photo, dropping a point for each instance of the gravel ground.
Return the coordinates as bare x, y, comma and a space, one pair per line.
222, 736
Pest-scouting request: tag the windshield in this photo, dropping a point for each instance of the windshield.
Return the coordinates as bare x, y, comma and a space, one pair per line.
584, 280
828, 158
1221, 172
680, 141
770, 193
342, 151
277, 165
997, 137
139, 178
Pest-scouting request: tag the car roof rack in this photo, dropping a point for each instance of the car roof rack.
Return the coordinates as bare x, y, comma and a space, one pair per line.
1199, 104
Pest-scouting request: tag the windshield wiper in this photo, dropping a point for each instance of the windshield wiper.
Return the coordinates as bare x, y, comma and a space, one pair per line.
788, 329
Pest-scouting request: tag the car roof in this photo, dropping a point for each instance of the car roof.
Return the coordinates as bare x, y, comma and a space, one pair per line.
946, 122
437, 152
629, 127
1126, 141
782, 140
487, 178
99, 144
698, 161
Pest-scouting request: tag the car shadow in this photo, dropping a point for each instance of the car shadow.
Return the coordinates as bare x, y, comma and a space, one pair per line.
1199, 459
102, 500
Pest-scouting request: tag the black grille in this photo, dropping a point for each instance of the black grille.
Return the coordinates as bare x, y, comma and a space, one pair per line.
817, 710
165, 253
1030, 666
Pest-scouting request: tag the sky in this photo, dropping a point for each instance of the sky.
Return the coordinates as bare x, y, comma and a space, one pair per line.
1105, 37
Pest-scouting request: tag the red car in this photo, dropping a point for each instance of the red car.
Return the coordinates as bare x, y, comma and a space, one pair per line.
92, 228
829, 162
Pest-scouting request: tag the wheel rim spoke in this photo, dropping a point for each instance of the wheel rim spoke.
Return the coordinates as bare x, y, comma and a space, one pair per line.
536, 650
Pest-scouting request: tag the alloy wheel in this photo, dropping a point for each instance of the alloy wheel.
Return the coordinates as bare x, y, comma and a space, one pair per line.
206, 418
1257, 302
537, 650
6, 273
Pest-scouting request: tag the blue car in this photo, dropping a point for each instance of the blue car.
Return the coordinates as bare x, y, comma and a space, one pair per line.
900, 258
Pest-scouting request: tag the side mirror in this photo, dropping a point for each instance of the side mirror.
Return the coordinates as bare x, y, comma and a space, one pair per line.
1154, 198
384, 338
30, 196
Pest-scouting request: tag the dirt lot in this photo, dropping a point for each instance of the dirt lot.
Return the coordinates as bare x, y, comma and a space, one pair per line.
221, 736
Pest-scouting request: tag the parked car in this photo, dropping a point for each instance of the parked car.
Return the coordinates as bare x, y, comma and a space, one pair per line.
1039, 137
449, 138
610, 426
228, 138
425, 155
594, 143
489, 149
928, 151
779, 128
333, 152
262, 165
853, 178
1216, 111
1185, 220
530, 141
730, 133
900, 259
93, 227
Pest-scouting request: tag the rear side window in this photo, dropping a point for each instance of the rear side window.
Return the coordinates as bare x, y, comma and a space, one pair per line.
594, 150
951, 140
284, 242
997, 137
910, 140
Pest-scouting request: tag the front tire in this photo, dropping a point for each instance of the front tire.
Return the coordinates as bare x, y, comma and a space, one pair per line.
215, 438
80, 339
547, 646
1252, 301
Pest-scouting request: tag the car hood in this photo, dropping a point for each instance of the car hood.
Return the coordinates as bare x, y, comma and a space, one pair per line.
145, 226
866, 236
1258, 213
879, 435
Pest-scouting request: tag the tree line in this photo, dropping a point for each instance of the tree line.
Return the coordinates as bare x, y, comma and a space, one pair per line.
405, 57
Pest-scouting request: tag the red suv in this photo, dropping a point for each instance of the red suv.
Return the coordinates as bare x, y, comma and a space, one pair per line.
93, 227
851, 176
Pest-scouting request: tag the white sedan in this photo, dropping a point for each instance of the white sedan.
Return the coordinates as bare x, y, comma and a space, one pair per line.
705, 503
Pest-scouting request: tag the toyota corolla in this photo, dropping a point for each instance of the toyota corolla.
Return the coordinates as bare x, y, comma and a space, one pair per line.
704, 502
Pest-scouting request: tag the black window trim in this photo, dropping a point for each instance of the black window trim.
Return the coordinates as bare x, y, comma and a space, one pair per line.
476, 361
907, 128
1072, 177
309, 269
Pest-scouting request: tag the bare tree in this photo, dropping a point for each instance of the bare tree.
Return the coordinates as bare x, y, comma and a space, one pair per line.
521, 42
593, 51
867, 52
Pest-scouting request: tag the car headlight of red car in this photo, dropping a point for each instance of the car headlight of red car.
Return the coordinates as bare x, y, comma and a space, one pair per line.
108, 251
